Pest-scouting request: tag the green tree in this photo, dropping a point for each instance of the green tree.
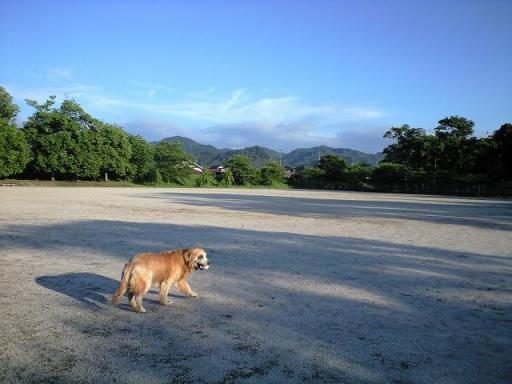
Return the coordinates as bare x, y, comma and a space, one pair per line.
271, 173
308, 177
388, 173
115, 151
227, 179
14, 150
8, 110
61, 140
158, 177
502, 164
205, 179
410, 149
433, 149
334, 170
453, 133
357, 175
86, 156
454, 126
172, 162
240, 166
449, 151
78, 131
141, 159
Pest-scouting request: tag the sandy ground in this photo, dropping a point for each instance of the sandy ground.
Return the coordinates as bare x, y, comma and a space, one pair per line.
327, 287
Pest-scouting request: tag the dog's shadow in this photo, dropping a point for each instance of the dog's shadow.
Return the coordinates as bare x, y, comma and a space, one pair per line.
89, 289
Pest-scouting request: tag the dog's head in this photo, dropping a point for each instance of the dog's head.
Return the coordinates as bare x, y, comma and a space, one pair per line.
196, 258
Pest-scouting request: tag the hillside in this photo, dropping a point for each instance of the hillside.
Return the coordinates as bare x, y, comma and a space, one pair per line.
209, 155
258, 155
204, 154
310, 156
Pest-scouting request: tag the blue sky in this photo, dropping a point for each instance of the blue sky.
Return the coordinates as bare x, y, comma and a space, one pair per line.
283, 74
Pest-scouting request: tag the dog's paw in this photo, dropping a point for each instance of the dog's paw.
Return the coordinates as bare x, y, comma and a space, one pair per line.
168, 302
193, 294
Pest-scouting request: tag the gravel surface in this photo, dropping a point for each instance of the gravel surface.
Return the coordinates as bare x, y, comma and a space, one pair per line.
305, 286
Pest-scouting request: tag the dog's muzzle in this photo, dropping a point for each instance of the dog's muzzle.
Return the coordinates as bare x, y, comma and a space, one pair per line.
202, 267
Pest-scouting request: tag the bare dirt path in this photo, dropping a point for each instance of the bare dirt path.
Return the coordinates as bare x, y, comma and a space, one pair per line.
327, 287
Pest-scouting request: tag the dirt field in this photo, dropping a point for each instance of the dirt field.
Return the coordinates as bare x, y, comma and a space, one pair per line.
327, 287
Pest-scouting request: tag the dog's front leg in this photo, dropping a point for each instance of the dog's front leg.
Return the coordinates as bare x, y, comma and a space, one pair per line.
185, 288
164, 291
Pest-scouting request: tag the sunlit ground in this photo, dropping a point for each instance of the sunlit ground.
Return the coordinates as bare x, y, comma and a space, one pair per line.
305, 286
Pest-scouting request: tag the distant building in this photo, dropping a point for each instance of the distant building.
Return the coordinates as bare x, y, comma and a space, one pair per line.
217, 169
289, 172
196, 168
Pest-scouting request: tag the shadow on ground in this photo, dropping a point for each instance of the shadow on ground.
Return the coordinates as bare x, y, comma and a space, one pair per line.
274, 307
479, 213
89, 289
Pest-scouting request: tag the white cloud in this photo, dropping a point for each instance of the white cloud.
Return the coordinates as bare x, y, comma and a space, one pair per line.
60, 73
284, 137
152, 87
153, 130
239, 107
207, 108
277, 136
366, 138
62, 92
236, 119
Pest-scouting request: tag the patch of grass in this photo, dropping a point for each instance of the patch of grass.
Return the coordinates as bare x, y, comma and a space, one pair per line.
63, 183
272, 186
189, 183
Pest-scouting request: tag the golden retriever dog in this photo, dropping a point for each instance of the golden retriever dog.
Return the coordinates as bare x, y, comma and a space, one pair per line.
163, 270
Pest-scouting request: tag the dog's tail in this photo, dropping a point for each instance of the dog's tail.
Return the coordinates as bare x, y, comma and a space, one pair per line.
123, 285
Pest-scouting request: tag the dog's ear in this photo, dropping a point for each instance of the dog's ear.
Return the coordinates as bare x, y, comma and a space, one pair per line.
189, 256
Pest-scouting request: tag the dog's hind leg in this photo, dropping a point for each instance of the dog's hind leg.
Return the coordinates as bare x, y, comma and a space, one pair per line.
138, 304
140, 284
131, 300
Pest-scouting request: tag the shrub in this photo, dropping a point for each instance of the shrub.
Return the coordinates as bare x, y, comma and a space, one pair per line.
205, 179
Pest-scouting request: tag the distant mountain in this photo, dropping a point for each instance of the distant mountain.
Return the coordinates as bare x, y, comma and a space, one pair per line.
258, 155
209, 155
204, 154
310, 156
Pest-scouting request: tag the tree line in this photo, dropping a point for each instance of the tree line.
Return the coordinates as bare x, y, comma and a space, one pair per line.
66, 143
450, 156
